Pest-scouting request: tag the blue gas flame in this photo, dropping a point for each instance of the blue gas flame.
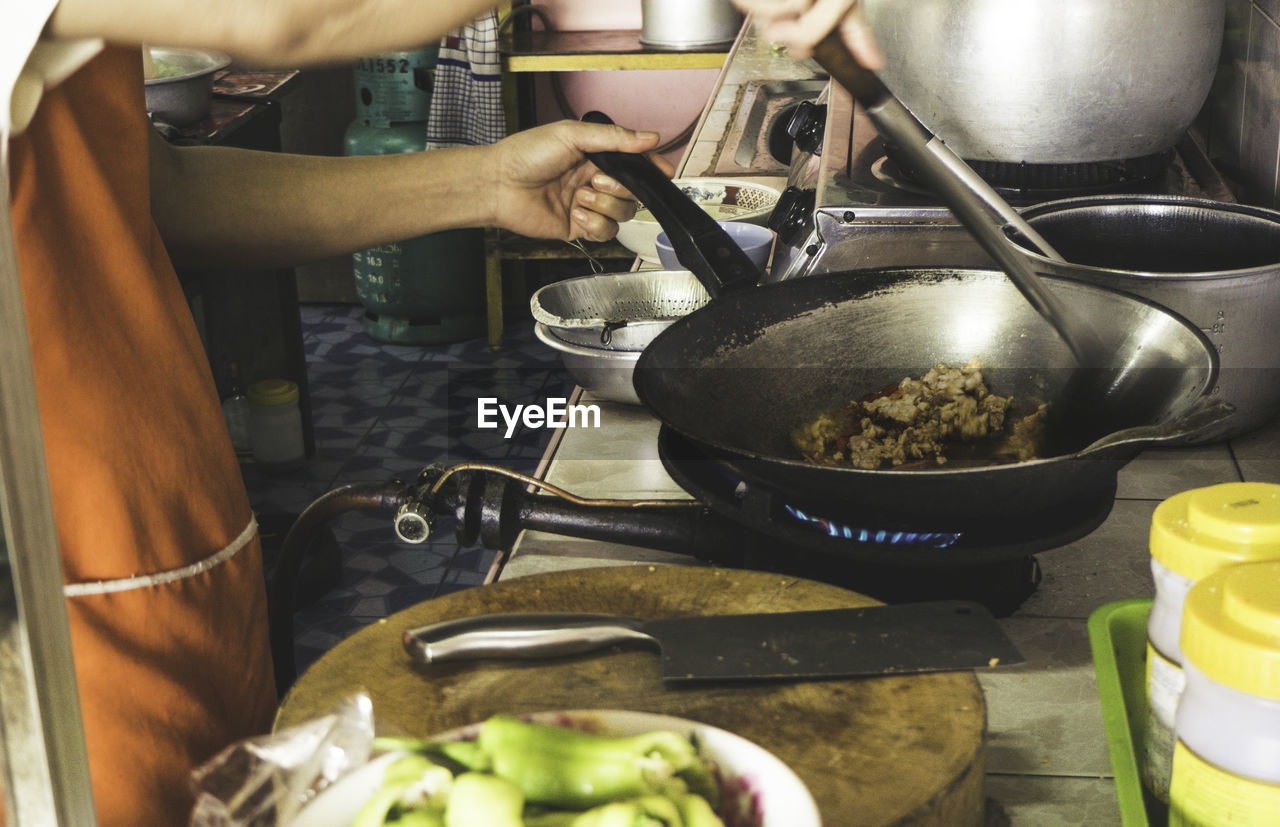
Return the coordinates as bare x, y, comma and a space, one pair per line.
927, 539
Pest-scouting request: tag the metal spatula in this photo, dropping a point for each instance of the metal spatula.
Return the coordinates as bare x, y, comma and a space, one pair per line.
973, 202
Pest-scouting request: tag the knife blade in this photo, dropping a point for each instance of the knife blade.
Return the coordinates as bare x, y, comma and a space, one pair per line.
931, 636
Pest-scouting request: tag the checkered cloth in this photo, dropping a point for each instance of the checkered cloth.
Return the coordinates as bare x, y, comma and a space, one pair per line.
466, 102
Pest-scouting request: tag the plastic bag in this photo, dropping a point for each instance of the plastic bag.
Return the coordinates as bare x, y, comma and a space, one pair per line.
267, 780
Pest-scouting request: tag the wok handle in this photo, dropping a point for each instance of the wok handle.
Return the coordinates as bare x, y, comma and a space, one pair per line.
519, 635
699, 242
1204, 420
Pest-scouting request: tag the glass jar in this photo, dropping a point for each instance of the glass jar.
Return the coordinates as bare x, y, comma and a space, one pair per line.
1226, 765
275, 422
1194, 534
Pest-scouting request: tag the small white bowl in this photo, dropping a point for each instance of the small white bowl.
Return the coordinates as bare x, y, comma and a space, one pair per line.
724, 199
752, 239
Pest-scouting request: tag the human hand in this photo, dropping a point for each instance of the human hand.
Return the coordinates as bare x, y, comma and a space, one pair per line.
801, 24
546, 188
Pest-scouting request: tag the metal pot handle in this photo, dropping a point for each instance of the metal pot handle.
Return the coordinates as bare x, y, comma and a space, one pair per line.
699, 242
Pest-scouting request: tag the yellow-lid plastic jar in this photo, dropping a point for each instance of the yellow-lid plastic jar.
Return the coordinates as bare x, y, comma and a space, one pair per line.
1226, 766
275, 422
1193, 535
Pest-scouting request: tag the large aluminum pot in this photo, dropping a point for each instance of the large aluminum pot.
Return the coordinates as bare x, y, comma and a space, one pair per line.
1215, 264
1046, 81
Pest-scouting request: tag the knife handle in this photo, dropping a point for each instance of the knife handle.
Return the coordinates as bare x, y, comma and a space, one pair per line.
519, 635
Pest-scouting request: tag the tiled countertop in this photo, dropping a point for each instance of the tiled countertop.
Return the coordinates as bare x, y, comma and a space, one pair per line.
1047, 759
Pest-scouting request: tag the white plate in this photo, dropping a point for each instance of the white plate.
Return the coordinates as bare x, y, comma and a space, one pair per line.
778, 796
771, 794
338, 805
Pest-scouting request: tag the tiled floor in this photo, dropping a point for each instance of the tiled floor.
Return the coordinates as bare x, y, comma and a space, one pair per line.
382, 411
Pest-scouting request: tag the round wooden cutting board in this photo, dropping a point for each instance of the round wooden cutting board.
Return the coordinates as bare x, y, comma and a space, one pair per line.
885, 750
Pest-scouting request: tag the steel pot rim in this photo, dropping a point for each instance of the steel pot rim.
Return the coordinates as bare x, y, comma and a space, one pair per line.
1064, 206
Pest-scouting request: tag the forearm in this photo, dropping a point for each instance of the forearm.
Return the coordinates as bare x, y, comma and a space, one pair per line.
269, 32
224, 207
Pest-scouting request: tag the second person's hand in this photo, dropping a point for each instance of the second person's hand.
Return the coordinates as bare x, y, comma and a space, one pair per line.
801, 24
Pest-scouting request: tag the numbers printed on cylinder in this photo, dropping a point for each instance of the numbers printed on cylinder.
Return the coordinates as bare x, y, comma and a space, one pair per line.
384, 66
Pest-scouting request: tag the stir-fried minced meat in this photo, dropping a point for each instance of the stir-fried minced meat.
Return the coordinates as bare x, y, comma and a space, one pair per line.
916, 421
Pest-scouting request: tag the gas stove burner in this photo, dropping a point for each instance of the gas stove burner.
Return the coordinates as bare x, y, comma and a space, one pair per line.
1087, 178
838, 529
1022, 181
993, 567
896, 537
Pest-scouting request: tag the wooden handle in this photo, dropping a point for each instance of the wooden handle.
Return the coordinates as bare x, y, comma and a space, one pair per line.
865, 86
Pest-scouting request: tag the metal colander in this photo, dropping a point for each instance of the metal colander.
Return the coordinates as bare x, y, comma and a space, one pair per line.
617, 311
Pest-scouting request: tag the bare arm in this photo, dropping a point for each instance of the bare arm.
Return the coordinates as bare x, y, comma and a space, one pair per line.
219, 206
269, 32
800, 24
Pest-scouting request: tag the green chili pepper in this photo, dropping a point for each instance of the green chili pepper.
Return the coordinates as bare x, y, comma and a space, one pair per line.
418, 818
565, 767
481, 800
647, 811
458, 755
409, 782
538, 817
696, 811
702, 781
506, 730
549, 818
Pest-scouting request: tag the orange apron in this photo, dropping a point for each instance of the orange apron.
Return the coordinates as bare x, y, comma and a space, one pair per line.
163, 565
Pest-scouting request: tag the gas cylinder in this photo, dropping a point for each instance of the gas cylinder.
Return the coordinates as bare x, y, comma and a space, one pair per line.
423, 290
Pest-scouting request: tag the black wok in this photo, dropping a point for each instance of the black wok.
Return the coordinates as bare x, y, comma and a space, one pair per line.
738, 375
741, 373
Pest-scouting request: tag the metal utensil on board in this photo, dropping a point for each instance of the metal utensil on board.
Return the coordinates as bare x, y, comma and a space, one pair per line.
880, 640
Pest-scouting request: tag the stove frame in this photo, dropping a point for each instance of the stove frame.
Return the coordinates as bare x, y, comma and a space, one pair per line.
858, 219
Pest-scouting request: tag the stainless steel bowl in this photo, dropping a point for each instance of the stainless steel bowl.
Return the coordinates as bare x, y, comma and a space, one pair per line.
182, 92
617, 311
607, 373
1043, 81
1216, 264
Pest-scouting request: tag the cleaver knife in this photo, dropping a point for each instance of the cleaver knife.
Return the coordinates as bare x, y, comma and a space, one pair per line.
932, 636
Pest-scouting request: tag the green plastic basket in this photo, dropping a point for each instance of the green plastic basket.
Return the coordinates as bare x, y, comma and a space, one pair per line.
1118, 638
